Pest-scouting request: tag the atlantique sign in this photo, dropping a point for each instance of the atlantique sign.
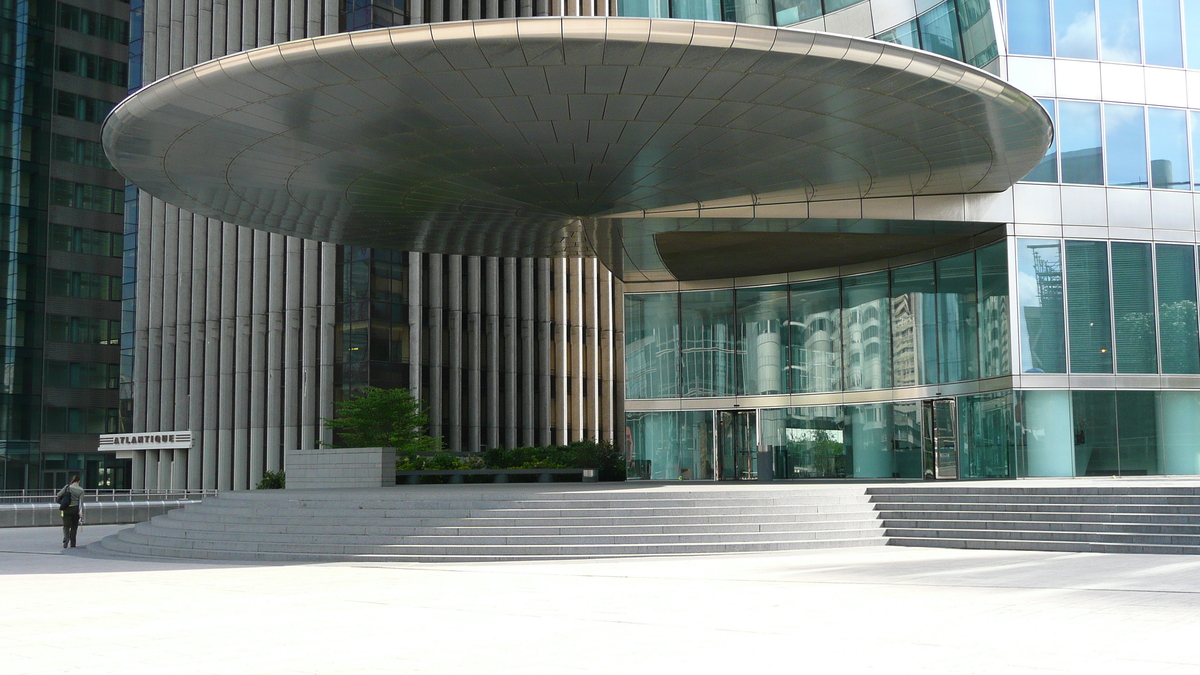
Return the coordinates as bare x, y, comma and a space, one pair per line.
156, 440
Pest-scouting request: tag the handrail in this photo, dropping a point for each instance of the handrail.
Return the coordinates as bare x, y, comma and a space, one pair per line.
104, 495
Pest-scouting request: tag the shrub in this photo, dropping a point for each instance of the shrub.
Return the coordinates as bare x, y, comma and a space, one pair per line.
272, 480
577, 455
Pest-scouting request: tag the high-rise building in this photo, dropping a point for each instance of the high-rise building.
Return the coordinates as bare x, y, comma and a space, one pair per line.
63, 66
851, 250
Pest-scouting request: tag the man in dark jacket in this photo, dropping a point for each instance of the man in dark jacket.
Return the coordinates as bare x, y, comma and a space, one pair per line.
73, 513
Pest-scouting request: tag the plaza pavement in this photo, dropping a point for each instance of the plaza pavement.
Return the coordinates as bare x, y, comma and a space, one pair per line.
872, 610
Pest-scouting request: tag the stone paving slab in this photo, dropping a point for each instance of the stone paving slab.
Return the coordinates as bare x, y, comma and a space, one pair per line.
873, 610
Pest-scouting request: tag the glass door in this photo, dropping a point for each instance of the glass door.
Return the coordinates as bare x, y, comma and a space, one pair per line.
940, 439
737, 445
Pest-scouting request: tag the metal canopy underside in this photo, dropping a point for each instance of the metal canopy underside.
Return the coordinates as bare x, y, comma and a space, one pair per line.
508, 137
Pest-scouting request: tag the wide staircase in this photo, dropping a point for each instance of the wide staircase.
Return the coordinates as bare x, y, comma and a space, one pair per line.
504, 522
1126, 518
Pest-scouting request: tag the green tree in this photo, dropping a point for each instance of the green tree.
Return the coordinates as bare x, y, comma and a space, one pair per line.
389, 418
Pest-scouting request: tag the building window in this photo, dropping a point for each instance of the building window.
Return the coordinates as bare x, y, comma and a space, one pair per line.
80, 420
87, 197
80, 107
82, 329
92, 23
67, 284
81, 375
79, 151
109, 71
84, 240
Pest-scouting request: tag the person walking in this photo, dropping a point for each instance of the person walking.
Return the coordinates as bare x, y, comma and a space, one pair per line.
72, 515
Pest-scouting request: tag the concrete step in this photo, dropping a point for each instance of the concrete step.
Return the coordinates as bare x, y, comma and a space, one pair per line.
1046, 516
1025, 498
1044, 545
1044, 526
1035, 507
1095, 537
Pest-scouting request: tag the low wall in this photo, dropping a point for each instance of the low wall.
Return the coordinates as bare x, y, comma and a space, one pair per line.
341, 468
94, 513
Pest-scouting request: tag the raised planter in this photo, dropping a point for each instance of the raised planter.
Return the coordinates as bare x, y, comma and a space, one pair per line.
498, 475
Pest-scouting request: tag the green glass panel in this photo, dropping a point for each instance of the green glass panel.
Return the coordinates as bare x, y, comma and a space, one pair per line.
866, 334
654, 9
651, 345
1177, 325
993, 323
707, 345
1137, 433
806, 442
940, 32
869, 440
670, 445
1133, 308
1088, 316
906, 438
914, 326
1040, 294
755, 12
788, 12
1095, 419
1180, 415
762, 316
958, 325
987, 436
1045, 422
815, 344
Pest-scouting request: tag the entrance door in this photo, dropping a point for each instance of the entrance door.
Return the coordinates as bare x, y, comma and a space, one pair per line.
737, 445
941, 439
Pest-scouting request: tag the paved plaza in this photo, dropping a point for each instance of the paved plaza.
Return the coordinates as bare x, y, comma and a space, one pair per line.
872, 610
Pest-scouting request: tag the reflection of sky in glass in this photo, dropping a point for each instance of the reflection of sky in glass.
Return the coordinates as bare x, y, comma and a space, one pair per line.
1029, 27
1125, 144
1168, 149
1164, 40
1119, 31
1028, 295
1075, 28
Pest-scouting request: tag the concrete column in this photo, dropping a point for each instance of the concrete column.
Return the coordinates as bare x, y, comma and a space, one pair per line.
456, 330
242, 345
474, 360
169, 317
512, 353
179, 469
310, 383
415, 323
262, 274
138, 479
529, 315
166, 460
228, 347
545, 349
152, 473
495, 368
436, 332
196, 364
293, 293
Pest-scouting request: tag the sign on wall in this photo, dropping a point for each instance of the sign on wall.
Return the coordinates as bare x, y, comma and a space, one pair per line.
149, 440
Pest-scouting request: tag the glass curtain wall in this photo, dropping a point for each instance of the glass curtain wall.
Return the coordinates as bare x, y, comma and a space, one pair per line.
708, 354
1040, 303
669, 445
1177, 320
958, 322
652, 345
914, 326
1088, 309
866, 338
816, 337
991, 315
1133, 308
987, 436
762, 314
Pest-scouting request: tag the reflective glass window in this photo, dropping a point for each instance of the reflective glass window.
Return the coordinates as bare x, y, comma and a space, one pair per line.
707, 345
978, 32
762, 342
699, 10
1125, 144
1045, 448
994, 346
986, 436
1040, 298
670, 445
1120, 39
1075, 28
1177, 309
652, 345
1164, 36
1133, 308
1094, 414
905, 34
914, 326
755, 12
1029, 27
957, 325
815, 344
866, 334
1191, 13
655, 9
1180, 415
869, 440
835, 5
939, 31
806, 442
907, 439
1169, 149
1047, 170
1137, 433
1080, 143
788, 12
1195, 130
1088, 310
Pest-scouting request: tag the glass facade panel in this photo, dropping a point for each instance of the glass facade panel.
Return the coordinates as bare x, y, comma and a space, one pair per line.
1133, 308
1047, 170
708, 357
699, 10
986, 436
1094, 414
756, 12
914, 326
907, 439
1044, 419
1137, 433
670, 445
1088, 315
1075, 29
1040, 298
1180, 415
904, 34
939, 31
1164, 37
1125, 145
869, 440
762, 346
866, 337
1080, 143
654, 9
788, 12
1191, 12
1029, 27
1177, 325
815, 344
992, 317
1120, 39
957, 326
806, 442
1169, 149
652, 345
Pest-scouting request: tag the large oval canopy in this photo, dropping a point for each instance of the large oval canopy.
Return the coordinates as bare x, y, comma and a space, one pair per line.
500, 137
